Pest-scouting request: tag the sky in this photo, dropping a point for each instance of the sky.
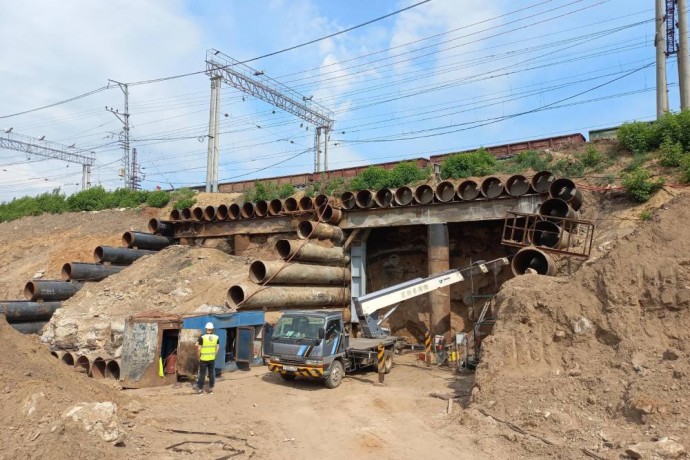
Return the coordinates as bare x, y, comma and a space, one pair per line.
443, 76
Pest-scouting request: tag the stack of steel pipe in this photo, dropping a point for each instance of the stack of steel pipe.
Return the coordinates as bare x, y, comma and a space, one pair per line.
27, 317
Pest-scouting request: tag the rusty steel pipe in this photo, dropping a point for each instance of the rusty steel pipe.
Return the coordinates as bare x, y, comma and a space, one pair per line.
280, 297
310, 252
247, 211
541, 181
208, 213
533, 258
423, 194
118, 256
517, 185
492, 187
88, 272
55, 354
222, 212
19, 311
275, 207
322, 200
329, 215
308, 229
548, 234
555, 207
403, 196
566, 190
261, 208
187, 214
445, 191
348, 200
306, 203
82, 364
160, 227
290, 204
383, 198
147, 241
97, 370
364, 199
175, 215
278, 272
49, 290
32, 327
112, 369
234, 211
468, 190
198, 213
67, 358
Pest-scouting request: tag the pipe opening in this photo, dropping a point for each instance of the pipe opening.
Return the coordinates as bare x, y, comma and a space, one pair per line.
403, 196
305, 229
383, 197
82, 364
153, 225
290, 204
321, 200
364, 199
54, 354
187, 214
492, 187
261, 208
98, 368
348, 200
257, 272
209, 213
68, 358
236, 294
127, 239
305, 204
198, 213
234, 211
112, 370
247, 210
175, 214
29, 289
275, 207
66, 271
555, 207
222, 212
468, 190
541, 181
534, 259
517, 185
445, 191
546, 233
424, 194
566, 190
284, 248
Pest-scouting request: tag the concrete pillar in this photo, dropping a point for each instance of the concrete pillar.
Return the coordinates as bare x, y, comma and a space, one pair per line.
439, 261
683, 66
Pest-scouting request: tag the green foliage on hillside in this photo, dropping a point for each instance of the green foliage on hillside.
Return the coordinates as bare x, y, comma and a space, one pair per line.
461, 165
268, 191
376, 177
639, 185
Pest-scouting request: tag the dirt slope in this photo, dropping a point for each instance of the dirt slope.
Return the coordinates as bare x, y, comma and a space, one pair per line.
599, 360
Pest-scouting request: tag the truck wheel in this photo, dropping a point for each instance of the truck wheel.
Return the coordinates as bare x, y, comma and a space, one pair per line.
336, 376
288, 377
388, 361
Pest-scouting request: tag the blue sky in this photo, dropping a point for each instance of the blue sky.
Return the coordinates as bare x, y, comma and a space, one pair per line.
444, 76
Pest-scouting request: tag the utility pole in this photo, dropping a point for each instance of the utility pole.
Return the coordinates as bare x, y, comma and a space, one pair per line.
124, 118
135, 179
212, 153
660, 43
683, 70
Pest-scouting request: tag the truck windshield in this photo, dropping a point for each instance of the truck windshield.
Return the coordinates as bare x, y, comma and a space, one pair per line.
298, 327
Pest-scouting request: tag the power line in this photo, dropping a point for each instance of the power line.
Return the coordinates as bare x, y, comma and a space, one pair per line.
102, 88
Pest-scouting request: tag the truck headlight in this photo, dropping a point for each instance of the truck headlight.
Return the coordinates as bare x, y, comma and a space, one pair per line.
314, 362
275, 359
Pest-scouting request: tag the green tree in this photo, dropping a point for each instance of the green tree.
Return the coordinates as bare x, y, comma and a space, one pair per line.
461, 165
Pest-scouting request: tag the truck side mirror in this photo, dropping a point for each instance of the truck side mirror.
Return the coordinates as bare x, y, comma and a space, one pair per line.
322, 333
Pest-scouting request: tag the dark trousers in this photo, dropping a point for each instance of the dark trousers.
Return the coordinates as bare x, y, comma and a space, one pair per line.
203, 367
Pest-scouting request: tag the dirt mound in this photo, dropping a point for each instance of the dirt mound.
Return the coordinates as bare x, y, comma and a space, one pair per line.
35, 392
178, 279
599, 360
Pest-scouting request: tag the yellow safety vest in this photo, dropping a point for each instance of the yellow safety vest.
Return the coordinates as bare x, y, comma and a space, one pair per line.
208, 347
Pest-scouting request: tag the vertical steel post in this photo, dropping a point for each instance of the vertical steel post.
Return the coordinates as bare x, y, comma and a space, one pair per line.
683, 70
660, 43
216, 139
211, 136
381, 358
439, 261
325, 148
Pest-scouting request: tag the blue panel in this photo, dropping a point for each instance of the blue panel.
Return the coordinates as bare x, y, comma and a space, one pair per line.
245, 345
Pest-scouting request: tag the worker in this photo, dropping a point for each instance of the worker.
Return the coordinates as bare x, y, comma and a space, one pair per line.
207, 348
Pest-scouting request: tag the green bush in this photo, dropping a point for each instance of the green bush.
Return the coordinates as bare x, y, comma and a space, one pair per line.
406, 173
93, 199
267, 191
286, 190
645, 215
592, 158
461, 165
158, 199
184, 203
374, 177
638, 161
670, 153
685, 169
638, 136
568, 167
638, 184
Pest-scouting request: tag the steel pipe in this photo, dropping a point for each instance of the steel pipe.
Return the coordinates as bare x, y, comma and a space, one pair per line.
67, 358
209, 213
160, 227
383, 198
566, 190
310, 252
280, 272
468, 190
88, 272
541, 181
82, 364
54, 354
305, 203
247, 210
329, 215
281, 297
517, 185
290, 204
403, 196
97, 370
222, 212
314, 230
445, 191
423, 194
549, 234
112, 369
261, 208
275, 207
234, 211
365, 199
555, 207
322, 200
175, 215
187, 214
49, 290
32, 327
348, 200
118, 256
148, 241
533, 258
19, 311
492, 187
198, 213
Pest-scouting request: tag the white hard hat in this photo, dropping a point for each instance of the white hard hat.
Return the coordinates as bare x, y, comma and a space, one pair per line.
209, 325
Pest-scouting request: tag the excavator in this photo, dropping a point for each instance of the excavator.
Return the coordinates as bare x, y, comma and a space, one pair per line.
314, 344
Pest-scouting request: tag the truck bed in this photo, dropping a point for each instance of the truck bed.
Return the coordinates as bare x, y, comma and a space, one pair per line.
364, 344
